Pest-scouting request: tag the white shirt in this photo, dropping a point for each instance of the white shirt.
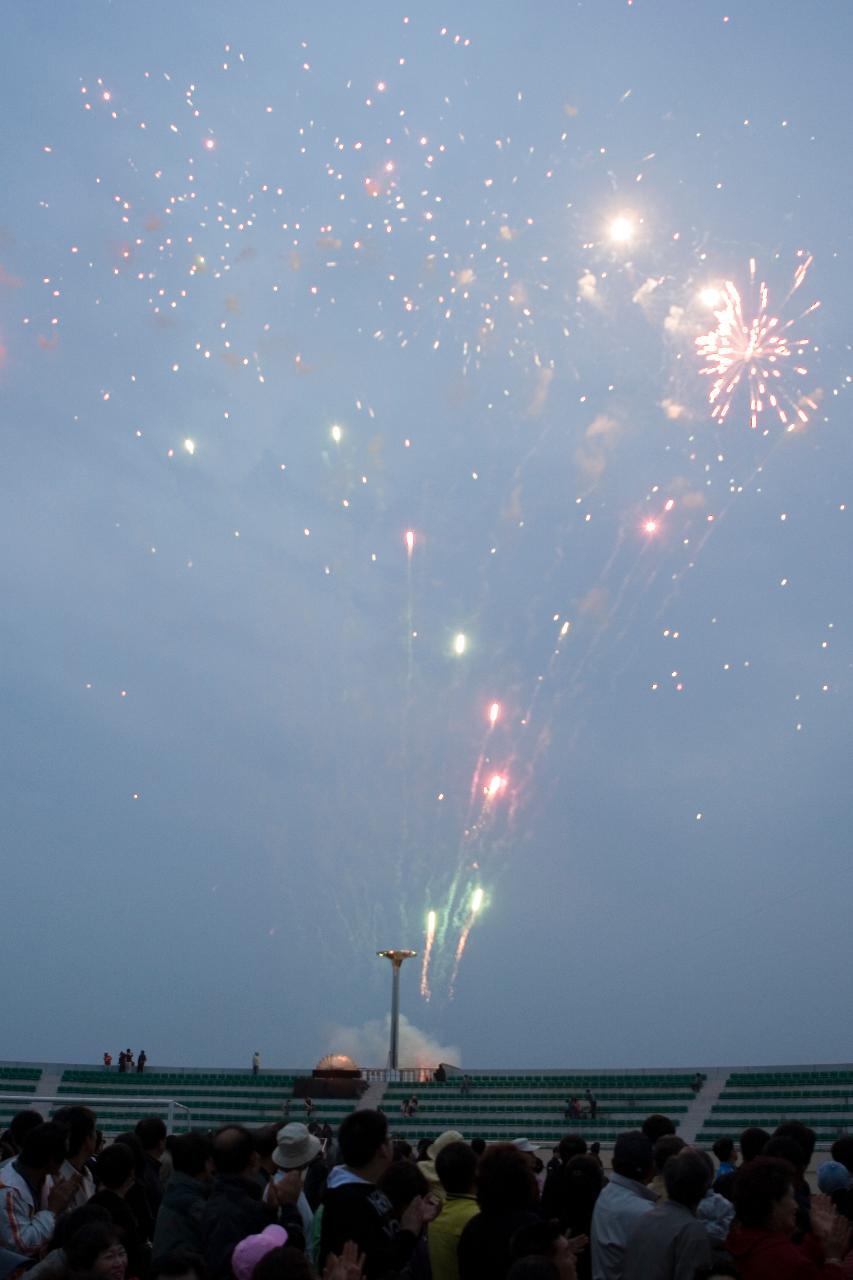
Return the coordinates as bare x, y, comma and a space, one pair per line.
617, 1210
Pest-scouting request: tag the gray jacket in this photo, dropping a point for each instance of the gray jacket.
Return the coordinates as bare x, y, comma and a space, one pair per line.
667, 1244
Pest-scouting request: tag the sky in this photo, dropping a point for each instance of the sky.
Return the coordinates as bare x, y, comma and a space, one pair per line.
426, 522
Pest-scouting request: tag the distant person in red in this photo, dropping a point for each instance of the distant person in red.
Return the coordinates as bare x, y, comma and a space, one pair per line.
141, 1061
766, 1209
122, 1061
108, 1061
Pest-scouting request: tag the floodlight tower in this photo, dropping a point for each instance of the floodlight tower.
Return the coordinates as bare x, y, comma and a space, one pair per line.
396, 958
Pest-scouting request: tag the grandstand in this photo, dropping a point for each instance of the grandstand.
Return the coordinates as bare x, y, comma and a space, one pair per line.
530, 1105
497, 1105
821, 1098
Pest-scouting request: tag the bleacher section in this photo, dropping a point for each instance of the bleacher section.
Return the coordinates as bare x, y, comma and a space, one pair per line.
534, 1106
498, 1106
822, 1099
213, 1098
19, 1081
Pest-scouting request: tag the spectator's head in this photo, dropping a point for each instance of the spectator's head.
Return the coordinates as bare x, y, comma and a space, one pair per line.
804, 1136
192, 1155
478, 1146
249, 1251
234, 1152
296, 1147
570, 1146
783, 1148
180, 1265
687, 1177
657, 1126
134, 1146
764, 1195
544, 1240
364, 1143
20, 1125
505, 1181
285, 1263
583, 1179
401, 1182
97, 1252
401, 1150
151, 1132
265, 1144
832, 1176
752, 1142
665, 1148
82, 1126
842, 1151
724, 1150
633, 1156
68, 1224
45, 1148
456, 1168
115, 1168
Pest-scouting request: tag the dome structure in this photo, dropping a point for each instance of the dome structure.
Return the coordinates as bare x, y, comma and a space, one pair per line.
336, 1062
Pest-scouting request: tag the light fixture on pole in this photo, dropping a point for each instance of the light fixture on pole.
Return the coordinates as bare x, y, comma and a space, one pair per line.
396, 958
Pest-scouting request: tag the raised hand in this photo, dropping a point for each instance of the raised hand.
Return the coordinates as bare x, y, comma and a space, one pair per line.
63, 1192
348, 1266
286, 1190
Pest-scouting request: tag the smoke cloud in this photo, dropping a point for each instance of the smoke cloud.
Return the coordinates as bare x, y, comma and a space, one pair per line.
368, 1045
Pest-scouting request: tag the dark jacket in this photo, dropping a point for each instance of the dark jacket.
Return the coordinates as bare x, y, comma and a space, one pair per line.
771, 1255
234, 1210
139, 1205
484, 1244
138, 1253
152, 1183
178, 1224
359, 1211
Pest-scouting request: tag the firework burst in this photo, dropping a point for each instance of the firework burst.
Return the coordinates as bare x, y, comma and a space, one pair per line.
758, 350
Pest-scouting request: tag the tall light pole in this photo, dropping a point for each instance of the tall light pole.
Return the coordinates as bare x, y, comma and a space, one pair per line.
396, 958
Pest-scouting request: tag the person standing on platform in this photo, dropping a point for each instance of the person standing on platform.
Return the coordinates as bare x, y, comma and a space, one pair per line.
141, 1061
108, 1061
256, 1063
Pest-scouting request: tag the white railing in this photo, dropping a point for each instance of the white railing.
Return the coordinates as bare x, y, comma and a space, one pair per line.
403, 1075
173, 1108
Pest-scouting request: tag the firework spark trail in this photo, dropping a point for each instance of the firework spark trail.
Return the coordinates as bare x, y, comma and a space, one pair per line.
756, 351
473, 910
428, 945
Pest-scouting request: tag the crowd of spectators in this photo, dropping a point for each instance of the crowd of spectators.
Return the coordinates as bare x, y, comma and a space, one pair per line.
293, 1203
